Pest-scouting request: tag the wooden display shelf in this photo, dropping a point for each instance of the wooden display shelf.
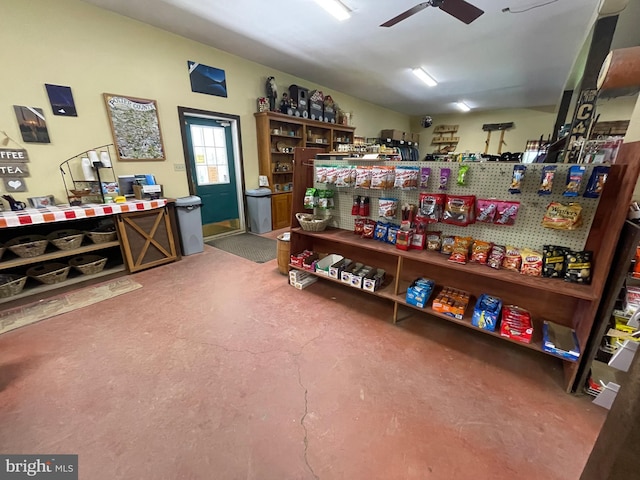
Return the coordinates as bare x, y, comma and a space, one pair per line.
72, 280
276, 152
438, 140
387, 286
556, 286
19, 262
281, 135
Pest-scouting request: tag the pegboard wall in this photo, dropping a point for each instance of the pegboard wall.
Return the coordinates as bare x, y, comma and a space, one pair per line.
484, 180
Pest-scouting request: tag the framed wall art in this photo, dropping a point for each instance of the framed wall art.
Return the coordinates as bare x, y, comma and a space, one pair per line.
61, 100
205, 79
135, 127
33, 126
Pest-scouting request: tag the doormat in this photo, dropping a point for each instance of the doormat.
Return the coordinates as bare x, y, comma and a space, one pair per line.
247, 245
35, 312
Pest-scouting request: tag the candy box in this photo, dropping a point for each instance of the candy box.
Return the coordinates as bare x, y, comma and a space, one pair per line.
345, 275
486, 312
560, 341
516, 324
403, 239
419, 292
297, 259
323, 266
336, 268
451, 302
371, 284
357, 277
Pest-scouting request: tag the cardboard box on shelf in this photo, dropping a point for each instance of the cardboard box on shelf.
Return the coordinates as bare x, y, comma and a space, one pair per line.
397, 135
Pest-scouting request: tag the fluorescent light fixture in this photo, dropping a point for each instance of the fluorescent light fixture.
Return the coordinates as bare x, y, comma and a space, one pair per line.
463, 106
335, 8
424, 76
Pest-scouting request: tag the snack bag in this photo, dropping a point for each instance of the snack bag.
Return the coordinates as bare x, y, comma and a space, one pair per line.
311, 198
512, 259
346, 177
578, 267
417, 241
574, 180
480, 251
445, 173
462, 174
380, 232
562, 217
363, 206
425, 173
392, 234
531, 262
387, 208
517, 178
486, 210
434, 242
379, 177
358, 227
496, 256
409, 212
431, 207
355, 206
459, 210
363, 177
369, 228
421, 224
321, 174
447, 244
553, 261
507, 213
546, 181
406, 178
325, 199
596, 181
460, 251
332, 175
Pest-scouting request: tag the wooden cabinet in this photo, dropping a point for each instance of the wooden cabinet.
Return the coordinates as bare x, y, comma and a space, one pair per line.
278, 135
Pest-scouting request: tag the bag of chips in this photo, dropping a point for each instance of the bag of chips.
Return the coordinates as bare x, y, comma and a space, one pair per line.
368, 230
434, 241
546, 181
506, 213
346, 177
459, 210
380, 232
387, 208
325, 199
578, 267
447, 244
596, 181
363, 177
332, 175
358, 226
311, 198
531, 262
460, 251
486, 210
512, 259
382, 177
562, 217
517, 178
406, 178
553, 261
496, 256
392, 234
431, 206
574, 180
480, 251
321, 174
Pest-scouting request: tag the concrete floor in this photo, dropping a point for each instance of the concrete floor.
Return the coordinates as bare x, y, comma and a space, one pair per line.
217, 369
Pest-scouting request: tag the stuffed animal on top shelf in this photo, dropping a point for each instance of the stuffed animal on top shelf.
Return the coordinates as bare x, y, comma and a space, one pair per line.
272, 92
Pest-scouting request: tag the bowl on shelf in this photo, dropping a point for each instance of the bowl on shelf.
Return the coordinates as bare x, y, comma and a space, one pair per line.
11, 285
67, 239
28, 246
49, 273
88, 264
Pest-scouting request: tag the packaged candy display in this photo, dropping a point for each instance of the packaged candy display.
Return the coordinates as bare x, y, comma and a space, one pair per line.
404, 239
578, 267
387, 208
517, 178
321, 174
531, 262
297, 259
434, 241
459, 210
363, 177
496, 256
562, 217
380, 232
451, 302
486, 210
460, 251
447, 243
392, 234
336, 269
355, 206
512, 259
431, 206
486, 312
346, 177
311, 198
371, 284
596, 181
417, 241
363, 206
331, 175
325, 199
382, 178
516, 324
560, 341
419, 292
462, 174
574, 180
546, 181
368, 228
425, 173
553, 261
506, 213
480, 251
407, 178
445, 173
358, 227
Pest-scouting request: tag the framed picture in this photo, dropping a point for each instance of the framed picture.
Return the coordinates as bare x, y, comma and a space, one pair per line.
205, 79
61, 100
135, 127
33, 126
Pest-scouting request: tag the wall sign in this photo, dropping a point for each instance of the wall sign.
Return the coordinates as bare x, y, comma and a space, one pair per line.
14, 170
14, 185
581, 123
13, 167
14, 155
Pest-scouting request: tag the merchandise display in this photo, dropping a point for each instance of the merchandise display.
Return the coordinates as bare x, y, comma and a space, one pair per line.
574, 180
486, 313
563, 217
560, 341
451, 302
516, 324
546, 182
596, 182
517, 178
419, 292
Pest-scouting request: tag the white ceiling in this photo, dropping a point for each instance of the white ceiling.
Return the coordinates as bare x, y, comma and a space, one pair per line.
502, 60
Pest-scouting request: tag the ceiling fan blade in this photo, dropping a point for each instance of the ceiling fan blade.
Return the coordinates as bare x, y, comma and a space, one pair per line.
463, 11
405, 15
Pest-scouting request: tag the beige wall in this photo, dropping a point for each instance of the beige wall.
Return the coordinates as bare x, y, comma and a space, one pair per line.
69, 42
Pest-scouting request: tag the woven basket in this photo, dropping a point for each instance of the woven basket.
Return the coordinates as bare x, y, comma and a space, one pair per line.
66, 239
28, 246
102, 236
49, 273
88, 264
312, 223
11, 285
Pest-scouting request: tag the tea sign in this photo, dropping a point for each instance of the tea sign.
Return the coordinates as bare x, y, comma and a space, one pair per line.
14, 155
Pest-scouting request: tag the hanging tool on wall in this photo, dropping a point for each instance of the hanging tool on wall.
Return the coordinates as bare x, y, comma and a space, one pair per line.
492, 127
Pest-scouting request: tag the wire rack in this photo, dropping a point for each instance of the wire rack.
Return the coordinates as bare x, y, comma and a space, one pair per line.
90, 186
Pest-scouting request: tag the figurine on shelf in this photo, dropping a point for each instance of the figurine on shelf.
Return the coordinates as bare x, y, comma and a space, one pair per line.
15, 205
272, 92
285, 104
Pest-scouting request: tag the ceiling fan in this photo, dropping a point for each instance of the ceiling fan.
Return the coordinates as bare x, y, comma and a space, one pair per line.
463, 11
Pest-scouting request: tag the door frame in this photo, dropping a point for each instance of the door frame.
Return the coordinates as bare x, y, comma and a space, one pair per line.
234, 120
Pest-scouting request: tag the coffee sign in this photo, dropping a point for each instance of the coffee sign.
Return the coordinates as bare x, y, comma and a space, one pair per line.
14, 155
13, 169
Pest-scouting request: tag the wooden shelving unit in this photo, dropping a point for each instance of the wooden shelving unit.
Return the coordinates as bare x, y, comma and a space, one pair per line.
444, 138
278, 135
